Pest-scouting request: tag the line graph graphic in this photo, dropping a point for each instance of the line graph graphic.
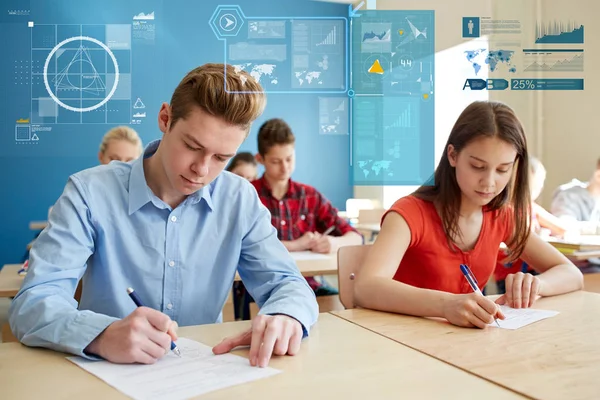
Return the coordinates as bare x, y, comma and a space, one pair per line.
553, 60
557, 32
376, 37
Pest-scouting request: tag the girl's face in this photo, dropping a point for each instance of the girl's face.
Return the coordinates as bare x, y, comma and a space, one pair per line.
483, 168
120, 150
246, 170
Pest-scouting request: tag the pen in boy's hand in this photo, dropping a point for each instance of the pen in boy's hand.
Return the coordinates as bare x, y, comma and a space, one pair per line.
329, 230
138, 303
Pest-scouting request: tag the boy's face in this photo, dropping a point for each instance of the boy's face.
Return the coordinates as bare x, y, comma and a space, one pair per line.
196, 149
279, 162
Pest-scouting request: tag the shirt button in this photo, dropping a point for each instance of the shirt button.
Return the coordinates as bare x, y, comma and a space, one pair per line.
174, 218
280, 202
302, 217
171, 263
282, 222
169, 306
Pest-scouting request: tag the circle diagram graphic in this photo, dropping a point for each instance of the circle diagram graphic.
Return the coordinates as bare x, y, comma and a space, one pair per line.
66, 80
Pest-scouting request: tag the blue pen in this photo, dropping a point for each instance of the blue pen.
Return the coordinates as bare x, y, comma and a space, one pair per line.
473, 282
138, 303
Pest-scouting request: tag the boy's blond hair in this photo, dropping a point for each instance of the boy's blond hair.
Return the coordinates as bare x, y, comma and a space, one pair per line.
121, 133
209, 88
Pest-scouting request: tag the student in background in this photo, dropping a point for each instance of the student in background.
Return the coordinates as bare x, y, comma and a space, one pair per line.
298, 211
121, 143
578, 203
480, 198
244, 164
540, 220
174, 228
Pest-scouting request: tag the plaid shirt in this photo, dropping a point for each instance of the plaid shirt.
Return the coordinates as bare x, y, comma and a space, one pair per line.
302, 209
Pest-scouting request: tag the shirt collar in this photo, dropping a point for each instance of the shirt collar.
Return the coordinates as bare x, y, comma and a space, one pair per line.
139, 192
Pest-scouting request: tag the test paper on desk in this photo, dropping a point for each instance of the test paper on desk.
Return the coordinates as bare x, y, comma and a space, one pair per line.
519, 317
308, 256
198, 371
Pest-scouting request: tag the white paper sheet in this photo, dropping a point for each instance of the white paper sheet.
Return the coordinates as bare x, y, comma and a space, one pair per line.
308, 256
198, 371
519, 317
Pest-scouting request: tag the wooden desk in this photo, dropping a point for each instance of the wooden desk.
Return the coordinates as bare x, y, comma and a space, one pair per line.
557, 358
338, 361
314, 267
591, 282
10, 281
369, 231
374, 228
37, 225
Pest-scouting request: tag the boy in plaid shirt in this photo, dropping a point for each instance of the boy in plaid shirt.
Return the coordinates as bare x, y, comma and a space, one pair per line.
299, 212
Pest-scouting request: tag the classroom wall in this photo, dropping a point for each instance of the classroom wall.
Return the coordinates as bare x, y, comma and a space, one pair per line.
33, 176
570, 137
450, 72
558, 124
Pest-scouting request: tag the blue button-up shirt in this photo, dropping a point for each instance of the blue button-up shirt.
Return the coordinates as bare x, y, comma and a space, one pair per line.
111, 230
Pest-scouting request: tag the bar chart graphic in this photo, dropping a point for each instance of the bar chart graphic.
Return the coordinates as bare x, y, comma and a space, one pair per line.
331, 38
557, 32
403, 120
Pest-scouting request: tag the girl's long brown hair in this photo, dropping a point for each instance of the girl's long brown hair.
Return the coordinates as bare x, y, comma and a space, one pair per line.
484, 119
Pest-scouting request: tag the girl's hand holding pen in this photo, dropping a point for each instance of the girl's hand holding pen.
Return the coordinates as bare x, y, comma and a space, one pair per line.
471, 310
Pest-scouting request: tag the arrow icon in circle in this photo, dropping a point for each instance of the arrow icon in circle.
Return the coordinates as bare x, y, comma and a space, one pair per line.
228, 22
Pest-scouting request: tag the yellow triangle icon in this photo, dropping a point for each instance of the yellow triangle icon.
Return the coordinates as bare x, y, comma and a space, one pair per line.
400, 32
376, 68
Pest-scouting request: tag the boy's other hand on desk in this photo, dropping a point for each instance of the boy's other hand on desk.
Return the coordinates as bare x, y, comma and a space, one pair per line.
306, 241
323, 244
144, 336
522, 290
269, 334
471, 310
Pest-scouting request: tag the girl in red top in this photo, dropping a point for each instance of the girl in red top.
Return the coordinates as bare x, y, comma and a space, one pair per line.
480, 199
